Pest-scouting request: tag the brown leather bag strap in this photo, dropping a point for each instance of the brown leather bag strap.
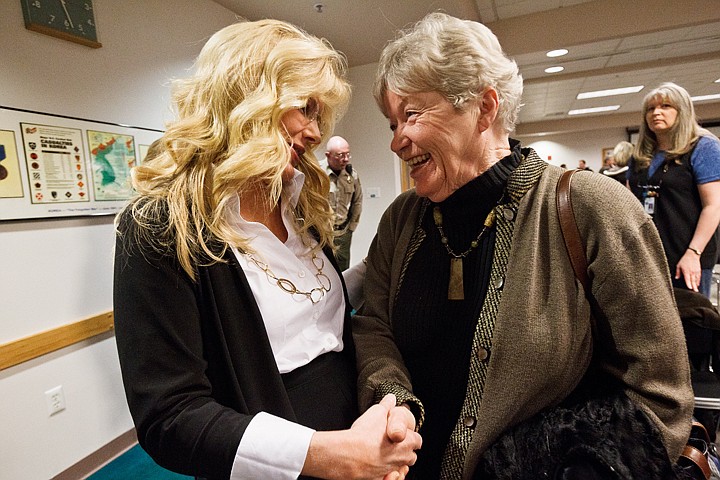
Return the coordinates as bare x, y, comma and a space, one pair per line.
697, 458
570, 232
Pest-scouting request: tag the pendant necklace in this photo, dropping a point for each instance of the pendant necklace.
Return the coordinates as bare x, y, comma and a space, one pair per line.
456, 289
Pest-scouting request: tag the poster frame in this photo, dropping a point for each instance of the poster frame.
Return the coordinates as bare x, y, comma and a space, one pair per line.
65, 204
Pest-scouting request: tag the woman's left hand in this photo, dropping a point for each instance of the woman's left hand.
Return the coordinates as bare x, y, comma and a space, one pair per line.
689, 268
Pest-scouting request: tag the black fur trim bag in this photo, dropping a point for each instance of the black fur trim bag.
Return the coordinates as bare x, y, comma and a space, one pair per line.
604, 437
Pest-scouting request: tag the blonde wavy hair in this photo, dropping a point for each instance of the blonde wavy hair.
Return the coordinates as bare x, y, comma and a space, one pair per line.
228, 139
456, 58
684, 133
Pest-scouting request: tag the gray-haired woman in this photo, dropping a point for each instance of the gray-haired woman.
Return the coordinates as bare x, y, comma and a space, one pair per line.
473, 316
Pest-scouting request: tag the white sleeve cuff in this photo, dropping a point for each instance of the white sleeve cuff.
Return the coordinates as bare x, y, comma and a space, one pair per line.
271, 447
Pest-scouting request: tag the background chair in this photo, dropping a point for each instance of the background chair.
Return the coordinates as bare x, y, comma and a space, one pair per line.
701, 323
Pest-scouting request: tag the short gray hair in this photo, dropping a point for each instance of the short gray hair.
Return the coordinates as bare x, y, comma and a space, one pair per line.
457, 58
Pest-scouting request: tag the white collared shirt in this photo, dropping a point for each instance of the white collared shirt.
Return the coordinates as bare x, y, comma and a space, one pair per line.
299, 331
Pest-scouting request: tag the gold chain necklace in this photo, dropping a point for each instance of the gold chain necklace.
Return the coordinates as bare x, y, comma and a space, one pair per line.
286, 285
456, 289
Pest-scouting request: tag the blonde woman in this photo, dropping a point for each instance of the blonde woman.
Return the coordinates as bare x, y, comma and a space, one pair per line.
675, 173
619, 159
232, 320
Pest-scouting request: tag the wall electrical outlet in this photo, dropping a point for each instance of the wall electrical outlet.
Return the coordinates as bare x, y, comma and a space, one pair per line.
55, 399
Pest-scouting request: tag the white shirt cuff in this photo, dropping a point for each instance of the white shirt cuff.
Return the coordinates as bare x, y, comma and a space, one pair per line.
271, 447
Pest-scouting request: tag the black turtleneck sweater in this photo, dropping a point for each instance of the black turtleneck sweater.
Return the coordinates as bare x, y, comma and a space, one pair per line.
435, 334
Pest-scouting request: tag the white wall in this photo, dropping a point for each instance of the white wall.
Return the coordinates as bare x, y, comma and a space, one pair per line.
368, 132
57, 272
569, 148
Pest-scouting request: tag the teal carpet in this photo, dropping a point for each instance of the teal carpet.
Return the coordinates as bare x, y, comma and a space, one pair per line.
135, 464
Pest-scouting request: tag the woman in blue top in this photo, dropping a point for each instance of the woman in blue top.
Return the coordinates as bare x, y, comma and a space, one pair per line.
675, 172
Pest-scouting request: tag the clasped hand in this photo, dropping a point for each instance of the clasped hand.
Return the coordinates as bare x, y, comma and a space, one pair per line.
394, 428
380, 445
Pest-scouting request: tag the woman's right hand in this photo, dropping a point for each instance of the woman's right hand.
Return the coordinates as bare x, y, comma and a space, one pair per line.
366, 451
689, 268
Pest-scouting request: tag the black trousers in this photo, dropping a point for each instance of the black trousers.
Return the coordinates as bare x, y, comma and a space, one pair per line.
323, 393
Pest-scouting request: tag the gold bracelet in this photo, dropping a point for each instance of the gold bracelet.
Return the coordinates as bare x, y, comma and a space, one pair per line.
695, 250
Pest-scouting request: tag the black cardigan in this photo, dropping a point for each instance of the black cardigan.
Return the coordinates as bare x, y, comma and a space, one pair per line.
195, 357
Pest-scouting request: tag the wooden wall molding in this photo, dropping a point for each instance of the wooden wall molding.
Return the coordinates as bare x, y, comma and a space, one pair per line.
24, 349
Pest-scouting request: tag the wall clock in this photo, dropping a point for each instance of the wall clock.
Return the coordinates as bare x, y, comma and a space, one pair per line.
72, 20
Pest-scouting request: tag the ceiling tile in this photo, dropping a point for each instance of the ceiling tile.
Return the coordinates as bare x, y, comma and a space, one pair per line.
688, 53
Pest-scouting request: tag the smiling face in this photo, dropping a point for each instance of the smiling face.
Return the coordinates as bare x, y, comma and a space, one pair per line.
660, 115
302, 132
441, 144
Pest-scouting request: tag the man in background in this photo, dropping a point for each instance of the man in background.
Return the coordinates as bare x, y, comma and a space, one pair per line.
583, 166
345, 196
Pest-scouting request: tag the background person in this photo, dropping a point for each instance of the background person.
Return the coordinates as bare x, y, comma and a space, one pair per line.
675, 173
231, 317
472, 309
582, 165
607, 163
619, 158
345, 196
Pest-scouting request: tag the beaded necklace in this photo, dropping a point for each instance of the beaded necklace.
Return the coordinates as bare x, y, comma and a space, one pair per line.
456, 289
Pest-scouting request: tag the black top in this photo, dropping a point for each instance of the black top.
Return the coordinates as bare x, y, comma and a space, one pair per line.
677, 208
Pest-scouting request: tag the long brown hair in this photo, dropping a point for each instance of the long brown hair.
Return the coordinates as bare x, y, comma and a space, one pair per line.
684, 133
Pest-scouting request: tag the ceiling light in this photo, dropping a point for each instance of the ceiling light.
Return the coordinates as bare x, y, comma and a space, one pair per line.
554, 69
582, 111
610, 92
557, 53
705, 97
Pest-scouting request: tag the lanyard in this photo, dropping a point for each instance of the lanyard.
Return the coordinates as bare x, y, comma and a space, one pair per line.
651, 191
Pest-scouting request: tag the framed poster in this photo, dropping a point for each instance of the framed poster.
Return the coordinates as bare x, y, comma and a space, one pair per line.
55, 164
10, 181
605, 153
112, 156
58, 166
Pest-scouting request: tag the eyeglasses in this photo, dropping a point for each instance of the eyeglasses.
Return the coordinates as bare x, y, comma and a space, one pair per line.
311, 111
340, 156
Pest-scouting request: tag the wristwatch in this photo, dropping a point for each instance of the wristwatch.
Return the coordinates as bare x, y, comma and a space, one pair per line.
695, 250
